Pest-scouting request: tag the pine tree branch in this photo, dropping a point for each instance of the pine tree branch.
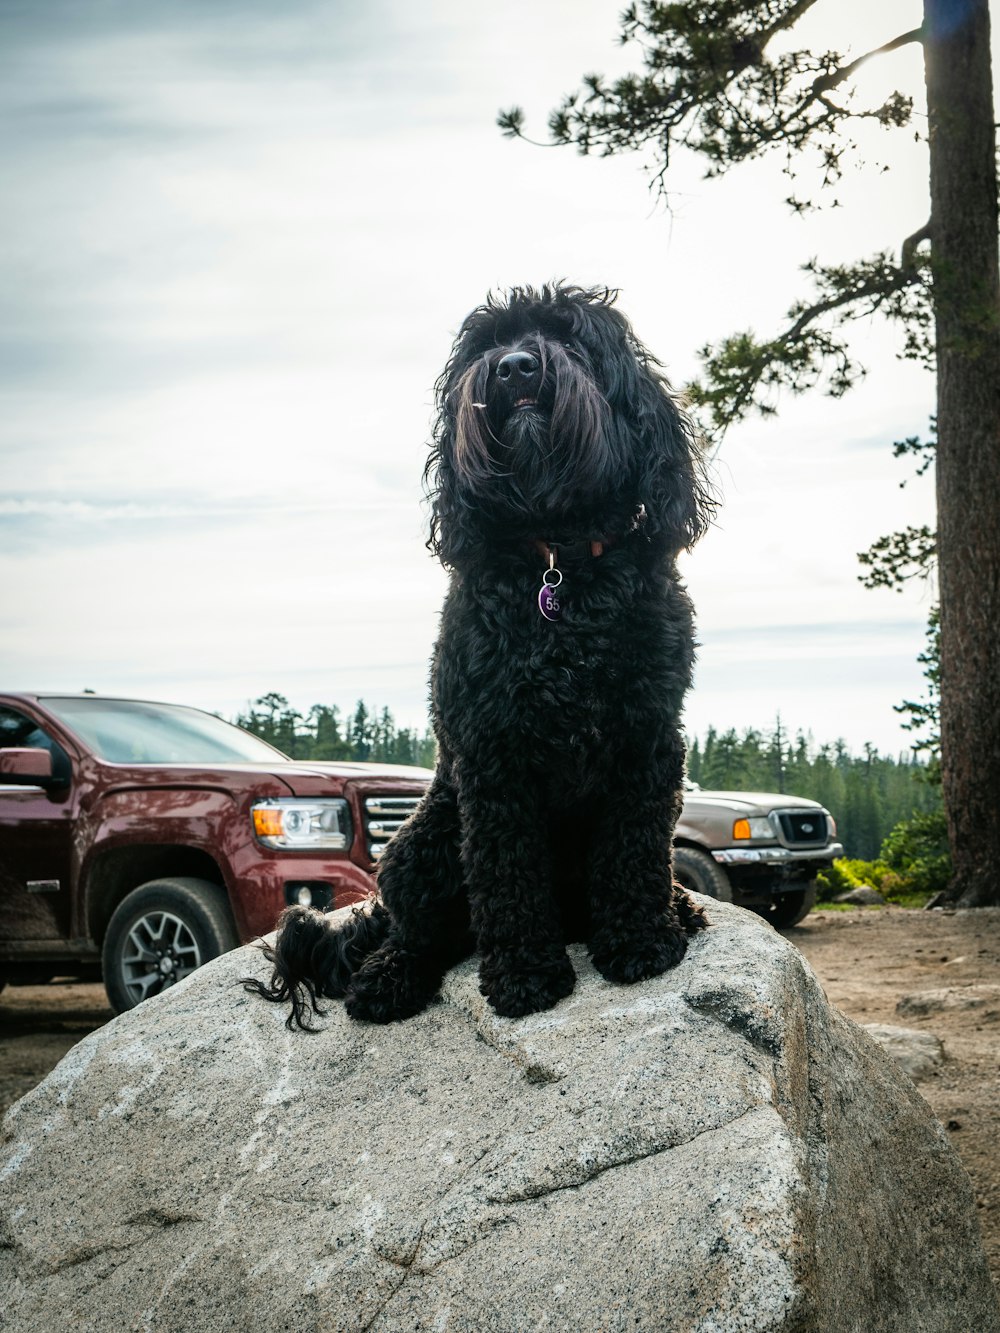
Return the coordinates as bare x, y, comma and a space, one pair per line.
835, 77
742, 372
710, 85
908, 250
877, 287
898, 557
827, 82
787, 20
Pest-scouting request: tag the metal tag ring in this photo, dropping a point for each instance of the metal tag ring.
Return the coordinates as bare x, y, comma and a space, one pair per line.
553, 582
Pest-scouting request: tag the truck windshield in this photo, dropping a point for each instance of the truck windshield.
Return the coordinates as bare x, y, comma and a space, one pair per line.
125, 731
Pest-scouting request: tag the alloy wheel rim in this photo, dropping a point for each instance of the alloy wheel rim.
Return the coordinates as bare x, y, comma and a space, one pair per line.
160, 950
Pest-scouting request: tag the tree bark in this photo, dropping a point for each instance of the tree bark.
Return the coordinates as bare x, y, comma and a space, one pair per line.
964, 257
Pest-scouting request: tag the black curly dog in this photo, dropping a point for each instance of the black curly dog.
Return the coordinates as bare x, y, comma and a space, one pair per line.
565, 480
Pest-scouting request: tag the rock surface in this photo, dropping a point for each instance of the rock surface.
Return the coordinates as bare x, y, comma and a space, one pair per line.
917, 1053
714, 1150
936, 1001
863, 896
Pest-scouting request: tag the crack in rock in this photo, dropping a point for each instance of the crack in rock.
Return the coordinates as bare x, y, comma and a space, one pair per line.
528, 1192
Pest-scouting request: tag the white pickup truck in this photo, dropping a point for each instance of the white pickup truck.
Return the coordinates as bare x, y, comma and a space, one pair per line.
756, 849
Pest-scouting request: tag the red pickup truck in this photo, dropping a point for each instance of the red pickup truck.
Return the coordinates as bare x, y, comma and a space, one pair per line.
142, 839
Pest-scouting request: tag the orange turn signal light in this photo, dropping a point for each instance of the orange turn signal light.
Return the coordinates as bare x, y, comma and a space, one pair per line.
741, 829
268, 823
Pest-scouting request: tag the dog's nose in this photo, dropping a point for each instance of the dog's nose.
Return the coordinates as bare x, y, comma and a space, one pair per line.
518, 367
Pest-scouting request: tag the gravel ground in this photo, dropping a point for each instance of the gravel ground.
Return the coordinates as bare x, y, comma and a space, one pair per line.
868, 960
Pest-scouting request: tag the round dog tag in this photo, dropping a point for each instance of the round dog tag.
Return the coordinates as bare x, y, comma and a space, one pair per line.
548, 595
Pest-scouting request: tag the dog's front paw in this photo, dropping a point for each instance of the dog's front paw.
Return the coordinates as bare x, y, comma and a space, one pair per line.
691, 916
627, 960
515, 986
391, 984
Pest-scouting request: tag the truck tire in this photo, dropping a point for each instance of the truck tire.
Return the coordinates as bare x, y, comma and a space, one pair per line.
696, 870
788, 909
159, 934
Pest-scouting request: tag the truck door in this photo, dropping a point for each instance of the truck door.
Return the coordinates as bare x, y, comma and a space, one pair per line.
35, 842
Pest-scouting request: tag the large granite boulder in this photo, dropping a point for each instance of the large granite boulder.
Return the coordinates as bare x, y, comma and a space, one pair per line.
713, 1150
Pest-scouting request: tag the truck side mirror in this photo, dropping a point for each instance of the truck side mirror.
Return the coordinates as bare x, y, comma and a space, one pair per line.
25, 766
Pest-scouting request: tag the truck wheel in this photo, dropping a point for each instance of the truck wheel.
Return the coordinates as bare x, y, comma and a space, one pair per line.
790, 908
160, 933
696, 870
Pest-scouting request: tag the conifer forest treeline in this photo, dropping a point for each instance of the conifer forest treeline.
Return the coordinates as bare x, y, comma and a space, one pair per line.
368, 735
868, 793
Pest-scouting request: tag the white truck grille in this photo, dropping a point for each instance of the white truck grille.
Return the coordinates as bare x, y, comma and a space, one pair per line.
384, 816
802, 828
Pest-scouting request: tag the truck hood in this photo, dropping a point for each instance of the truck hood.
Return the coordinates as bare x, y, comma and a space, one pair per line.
314, 777
345, 769
747, 802
309, 778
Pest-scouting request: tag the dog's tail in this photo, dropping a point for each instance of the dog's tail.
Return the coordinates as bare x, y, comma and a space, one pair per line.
315, 958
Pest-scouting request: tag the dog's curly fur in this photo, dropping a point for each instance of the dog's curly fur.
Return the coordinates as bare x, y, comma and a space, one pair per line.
560, 765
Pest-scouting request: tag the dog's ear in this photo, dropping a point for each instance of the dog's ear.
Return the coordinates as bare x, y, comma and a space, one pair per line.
455, 392
459, 465
447, 539
671, 478
658, 442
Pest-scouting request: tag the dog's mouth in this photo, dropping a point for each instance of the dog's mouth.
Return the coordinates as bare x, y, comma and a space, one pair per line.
525, 402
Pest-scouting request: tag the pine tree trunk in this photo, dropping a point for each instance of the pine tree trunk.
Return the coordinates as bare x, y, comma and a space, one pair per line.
967, 320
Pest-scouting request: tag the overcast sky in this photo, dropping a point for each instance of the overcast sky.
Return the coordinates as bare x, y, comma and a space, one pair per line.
237, 241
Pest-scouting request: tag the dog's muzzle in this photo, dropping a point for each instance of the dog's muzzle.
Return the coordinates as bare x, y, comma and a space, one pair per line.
520, 375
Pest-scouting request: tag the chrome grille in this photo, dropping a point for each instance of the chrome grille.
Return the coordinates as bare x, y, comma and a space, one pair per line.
384, 816
802, 828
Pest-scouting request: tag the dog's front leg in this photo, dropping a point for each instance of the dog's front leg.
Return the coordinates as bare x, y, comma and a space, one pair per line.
507, 860
639, 921
420, 882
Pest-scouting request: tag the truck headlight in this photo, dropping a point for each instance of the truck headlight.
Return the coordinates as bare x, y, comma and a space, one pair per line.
303, 824
758, 827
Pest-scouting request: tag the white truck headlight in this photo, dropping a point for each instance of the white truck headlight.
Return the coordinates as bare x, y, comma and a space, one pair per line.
759, 826
299, 823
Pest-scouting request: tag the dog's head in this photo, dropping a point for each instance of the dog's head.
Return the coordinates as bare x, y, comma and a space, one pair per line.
555, 422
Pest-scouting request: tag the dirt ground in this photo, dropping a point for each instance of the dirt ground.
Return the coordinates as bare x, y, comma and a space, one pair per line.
867, 960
